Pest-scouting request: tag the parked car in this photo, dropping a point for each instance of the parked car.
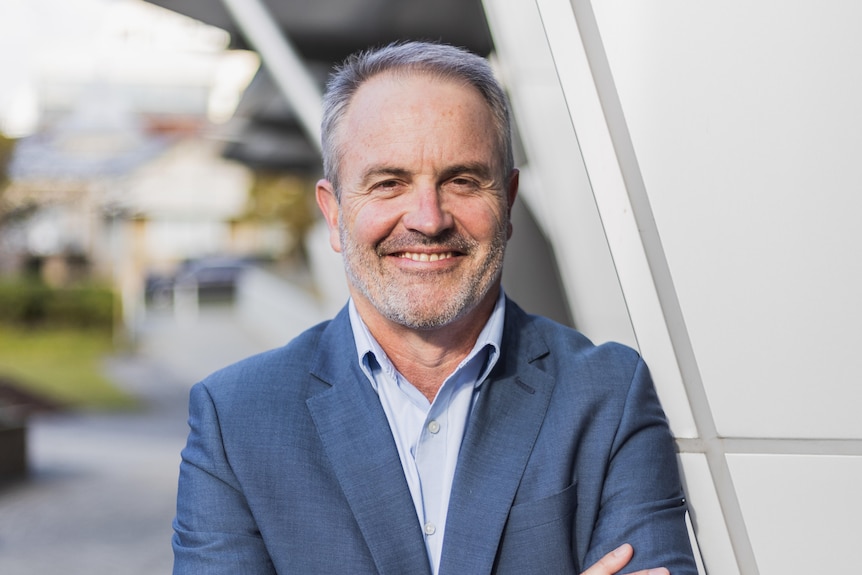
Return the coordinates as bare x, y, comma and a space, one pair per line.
213, 278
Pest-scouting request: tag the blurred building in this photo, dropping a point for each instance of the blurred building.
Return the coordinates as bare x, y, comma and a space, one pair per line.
111, 176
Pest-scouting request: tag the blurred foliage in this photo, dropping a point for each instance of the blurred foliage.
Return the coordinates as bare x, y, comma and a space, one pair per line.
6, 147
284, 198
53, 340
61, 364
30, 302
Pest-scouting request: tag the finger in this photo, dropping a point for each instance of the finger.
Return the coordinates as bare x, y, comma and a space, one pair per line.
612, 562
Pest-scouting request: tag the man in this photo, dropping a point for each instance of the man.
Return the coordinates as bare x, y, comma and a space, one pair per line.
432, 426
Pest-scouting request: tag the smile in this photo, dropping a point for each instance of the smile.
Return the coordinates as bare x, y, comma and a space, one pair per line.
426, 257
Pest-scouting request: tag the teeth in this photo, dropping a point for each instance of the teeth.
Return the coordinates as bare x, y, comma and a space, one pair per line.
424, 257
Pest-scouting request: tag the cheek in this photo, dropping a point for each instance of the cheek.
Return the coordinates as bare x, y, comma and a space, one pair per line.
370, 224
484, 221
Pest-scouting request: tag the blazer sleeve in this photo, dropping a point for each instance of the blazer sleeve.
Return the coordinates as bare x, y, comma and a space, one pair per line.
214, 530
642, 501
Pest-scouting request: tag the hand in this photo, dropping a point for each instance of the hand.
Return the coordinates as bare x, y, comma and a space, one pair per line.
614, 561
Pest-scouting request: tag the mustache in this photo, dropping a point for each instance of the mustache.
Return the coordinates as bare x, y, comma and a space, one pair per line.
450, 241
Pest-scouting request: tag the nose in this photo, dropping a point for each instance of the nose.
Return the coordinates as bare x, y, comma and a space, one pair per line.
426, 213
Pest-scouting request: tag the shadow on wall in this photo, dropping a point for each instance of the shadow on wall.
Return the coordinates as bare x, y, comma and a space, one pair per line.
530, 274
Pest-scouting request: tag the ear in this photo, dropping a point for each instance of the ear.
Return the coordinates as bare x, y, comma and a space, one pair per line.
329, 207
511, 194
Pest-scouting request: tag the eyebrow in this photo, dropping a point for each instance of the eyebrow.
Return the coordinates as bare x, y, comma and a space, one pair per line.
478, 169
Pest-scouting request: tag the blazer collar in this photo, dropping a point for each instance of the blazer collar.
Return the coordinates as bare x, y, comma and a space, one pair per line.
500, 436
355, 435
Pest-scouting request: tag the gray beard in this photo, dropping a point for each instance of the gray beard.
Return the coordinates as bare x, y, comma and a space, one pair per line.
395, 301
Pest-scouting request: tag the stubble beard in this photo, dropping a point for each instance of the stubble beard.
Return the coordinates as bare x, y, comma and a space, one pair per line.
395, 297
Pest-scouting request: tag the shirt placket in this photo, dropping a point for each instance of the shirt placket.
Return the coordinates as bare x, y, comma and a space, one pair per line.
430, 458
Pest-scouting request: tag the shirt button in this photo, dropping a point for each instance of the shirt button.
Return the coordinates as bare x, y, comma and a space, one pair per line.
433, 426
430, 528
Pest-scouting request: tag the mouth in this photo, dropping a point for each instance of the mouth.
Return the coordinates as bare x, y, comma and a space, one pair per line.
425, 256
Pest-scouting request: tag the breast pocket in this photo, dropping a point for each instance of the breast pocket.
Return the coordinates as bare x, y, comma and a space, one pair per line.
538, 537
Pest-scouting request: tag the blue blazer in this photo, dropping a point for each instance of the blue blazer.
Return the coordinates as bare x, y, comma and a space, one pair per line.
290, 466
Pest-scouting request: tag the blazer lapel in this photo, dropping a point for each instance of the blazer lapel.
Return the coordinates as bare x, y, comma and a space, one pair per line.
500, 436
356, 437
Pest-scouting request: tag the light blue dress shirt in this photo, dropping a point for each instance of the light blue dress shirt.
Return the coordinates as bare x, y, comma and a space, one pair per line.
428, 435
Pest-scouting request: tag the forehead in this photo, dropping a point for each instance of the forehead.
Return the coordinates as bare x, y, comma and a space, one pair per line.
394, 91
397, 115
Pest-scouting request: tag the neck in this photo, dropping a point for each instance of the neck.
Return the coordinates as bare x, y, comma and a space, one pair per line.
427, 357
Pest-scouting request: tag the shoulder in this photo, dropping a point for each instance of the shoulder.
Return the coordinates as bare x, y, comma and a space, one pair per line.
562, 348
587, 378
266, 372
600, 388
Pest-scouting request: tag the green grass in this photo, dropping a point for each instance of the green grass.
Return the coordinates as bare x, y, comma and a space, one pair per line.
63, 364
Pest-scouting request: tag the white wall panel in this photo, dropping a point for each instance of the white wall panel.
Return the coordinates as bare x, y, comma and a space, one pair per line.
745, 120
713, 543
802, 512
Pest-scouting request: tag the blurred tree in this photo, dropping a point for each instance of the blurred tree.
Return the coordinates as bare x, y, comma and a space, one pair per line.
6, 147
285, 198
8, 211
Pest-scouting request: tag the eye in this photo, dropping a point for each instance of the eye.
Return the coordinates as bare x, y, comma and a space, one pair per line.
462, 184
387, 186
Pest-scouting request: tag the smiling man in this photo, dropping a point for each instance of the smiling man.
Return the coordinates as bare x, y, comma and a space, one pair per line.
432, 427
422, 218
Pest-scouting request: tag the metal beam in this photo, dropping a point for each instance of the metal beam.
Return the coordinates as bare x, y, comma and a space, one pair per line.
282, 60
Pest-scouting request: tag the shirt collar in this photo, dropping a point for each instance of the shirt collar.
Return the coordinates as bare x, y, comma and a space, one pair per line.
490, 339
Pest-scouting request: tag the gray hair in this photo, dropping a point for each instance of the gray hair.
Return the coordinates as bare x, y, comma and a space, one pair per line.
424, 57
